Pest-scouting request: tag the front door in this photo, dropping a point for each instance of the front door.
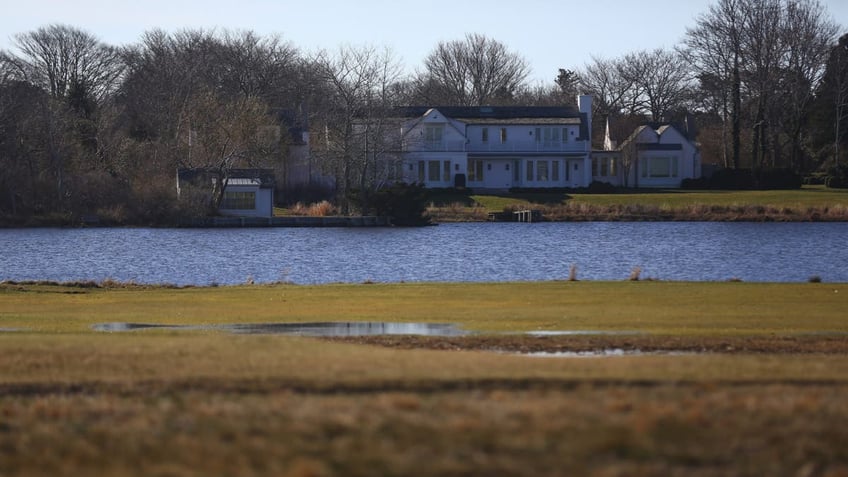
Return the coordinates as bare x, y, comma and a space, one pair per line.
499, 174
575, 173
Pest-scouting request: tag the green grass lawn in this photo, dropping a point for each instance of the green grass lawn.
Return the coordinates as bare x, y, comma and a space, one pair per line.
808, 196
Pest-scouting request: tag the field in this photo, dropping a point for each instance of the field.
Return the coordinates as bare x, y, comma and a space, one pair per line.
807, 204
705, 379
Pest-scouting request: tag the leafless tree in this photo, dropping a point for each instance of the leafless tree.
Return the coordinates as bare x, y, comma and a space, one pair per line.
67, 62
357, 123
474, 71
607, 82
661, 79
714, 49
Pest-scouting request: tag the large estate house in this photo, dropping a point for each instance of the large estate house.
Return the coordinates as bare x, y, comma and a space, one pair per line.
491, 147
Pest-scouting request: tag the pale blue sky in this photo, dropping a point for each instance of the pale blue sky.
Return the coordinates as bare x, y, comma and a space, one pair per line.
550, 34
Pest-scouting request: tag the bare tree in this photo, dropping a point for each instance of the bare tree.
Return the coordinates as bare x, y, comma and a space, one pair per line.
471, 72
807, 36
67, 62
357, 123
661, 79
606, 81
714, 49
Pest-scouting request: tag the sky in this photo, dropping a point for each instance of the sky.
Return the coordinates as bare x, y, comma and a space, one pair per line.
549, 34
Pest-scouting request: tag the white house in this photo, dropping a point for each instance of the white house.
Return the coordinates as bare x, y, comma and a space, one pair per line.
491, 147
657, 155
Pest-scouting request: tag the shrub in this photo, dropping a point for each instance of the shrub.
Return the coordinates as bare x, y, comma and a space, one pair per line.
777, 179
406, 204
598, 187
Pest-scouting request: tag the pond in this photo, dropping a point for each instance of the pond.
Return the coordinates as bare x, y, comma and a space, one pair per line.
479, 252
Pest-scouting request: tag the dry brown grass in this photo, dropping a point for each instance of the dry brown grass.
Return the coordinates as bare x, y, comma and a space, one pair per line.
767, 397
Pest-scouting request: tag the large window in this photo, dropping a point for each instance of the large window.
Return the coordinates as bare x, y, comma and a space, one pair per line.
475, 170
433, 136
659, 167
604, 167
542, 171
434, 171
551, 136
239, 201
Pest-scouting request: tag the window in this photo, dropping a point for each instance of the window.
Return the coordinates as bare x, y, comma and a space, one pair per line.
475, 170
421, 171
433, 135
447, 171
550, 136
555, 171
529, 170
433, 171
604, 167
503, 135
239, 201
485, 134
516, 171
542, 171
659, 167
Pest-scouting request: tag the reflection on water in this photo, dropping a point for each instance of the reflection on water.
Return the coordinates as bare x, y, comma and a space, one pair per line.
304, 329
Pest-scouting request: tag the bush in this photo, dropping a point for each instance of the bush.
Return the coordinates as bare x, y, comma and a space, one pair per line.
746, 179
695, 184
598, 187
732, 179
406, 204
777, 179
837, 177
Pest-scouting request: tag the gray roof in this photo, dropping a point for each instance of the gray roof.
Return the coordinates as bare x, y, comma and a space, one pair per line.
469, 113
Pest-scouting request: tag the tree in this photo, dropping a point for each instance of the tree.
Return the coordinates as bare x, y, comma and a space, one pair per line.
358, 128
830, 110
714, 49
69, 63
660, 79
475, 71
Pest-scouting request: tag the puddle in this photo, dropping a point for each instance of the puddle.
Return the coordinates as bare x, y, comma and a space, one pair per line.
305, 329
582, 333
601, 353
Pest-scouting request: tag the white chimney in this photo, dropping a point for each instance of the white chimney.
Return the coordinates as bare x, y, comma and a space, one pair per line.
584, 104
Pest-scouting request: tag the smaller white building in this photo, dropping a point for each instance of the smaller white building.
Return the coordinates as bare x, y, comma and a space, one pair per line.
654, 156
247, 192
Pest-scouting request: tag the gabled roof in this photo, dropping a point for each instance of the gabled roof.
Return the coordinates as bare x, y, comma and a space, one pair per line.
658, 129
264, 178
481, 114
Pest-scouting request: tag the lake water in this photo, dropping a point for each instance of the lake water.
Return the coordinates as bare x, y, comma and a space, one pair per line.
484, 252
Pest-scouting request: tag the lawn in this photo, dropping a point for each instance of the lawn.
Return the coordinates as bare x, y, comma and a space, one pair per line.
766, 399
811, 203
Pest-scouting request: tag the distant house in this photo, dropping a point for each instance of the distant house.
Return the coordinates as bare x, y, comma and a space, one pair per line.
247, 192
498, 148
655, 155
492, 147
